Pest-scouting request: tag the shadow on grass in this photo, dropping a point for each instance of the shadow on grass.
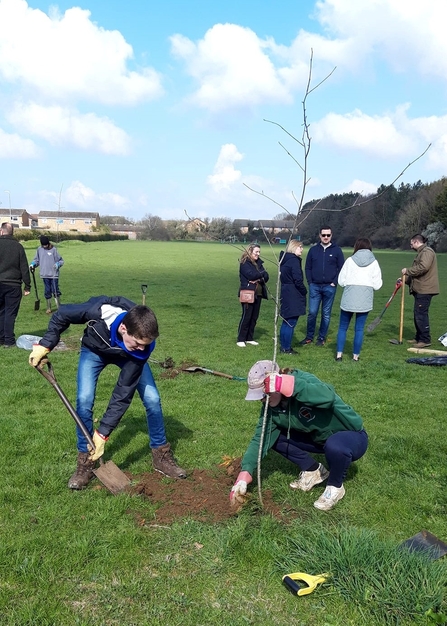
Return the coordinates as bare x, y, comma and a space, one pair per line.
128, 430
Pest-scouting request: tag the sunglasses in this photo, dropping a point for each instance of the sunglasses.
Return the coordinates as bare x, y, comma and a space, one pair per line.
326, 235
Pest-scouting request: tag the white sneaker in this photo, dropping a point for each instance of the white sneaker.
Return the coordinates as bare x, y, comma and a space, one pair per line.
253, 343
241, 344
307, 480
329, 498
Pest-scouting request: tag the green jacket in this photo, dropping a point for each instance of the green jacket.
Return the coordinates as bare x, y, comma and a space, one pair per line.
314, 408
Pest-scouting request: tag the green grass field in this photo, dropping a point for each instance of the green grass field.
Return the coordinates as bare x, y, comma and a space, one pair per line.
80, 558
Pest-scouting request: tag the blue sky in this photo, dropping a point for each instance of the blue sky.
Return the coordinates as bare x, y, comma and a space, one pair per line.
138, 107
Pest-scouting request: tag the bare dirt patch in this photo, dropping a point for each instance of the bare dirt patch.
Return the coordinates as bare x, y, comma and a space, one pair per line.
203, 496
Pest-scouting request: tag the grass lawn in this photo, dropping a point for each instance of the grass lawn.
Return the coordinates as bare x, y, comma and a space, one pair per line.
81, 558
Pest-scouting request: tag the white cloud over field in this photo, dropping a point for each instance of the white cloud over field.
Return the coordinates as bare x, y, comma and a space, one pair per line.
67, 56
12, 146
84, 198
63, 126
225, 174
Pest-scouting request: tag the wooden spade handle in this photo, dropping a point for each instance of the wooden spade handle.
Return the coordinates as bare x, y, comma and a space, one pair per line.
402, 308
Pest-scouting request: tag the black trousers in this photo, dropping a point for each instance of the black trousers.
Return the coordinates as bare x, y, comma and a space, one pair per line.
250, 314
10, 297
421, 322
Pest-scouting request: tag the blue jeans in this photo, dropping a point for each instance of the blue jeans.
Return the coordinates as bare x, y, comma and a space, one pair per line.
286, 332
324, 295
340, 449
345, 319
89, 368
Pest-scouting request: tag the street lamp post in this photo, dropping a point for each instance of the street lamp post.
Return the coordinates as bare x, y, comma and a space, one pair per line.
10, 210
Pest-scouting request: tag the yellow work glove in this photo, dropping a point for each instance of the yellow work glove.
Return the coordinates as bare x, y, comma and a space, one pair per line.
99, 442
38, 353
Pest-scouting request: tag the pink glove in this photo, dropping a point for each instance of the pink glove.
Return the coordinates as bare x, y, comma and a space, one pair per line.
280, 383
239, 490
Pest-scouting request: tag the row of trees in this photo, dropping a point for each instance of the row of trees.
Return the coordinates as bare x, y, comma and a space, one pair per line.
389, 218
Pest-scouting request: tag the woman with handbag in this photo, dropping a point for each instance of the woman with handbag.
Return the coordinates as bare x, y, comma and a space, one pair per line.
253, 277
293, 293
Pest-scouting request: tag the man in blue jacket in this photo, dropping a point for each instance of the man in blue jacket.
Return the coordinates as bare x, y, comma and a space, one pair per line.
120, 333
323, 264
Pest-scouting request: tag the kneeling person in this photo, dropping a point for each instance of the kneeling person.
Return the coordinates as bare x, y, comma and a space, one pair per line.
304, 416
120, 333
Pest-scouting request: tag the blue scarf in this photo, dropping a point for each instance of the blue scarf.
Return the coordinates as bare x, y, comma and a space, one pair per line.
115, 340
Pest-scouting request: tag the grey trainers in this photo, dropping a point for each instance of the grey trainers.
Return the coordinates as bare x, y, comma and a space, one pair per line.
329, 498
84, 472
307, 480
163, 461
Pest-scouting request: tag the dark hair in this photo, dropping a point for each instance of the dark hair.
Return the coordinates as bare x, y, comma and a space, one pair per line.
419, 238
44, 241
362, 243
141, 323
325, 228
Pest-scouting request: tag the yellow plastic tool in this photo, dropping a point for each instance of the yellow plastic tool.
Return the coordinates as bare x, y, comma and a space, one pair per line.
311, 581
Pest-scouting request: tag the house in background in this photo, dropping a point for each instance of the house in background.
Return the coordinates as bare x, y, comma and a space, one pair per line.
67, 221
19, 218
125, 229
271, 227
195, 225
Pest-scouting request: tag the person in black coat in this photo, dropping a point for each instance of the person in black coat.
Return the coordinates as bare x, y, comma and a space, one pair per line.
252, 275
293, 293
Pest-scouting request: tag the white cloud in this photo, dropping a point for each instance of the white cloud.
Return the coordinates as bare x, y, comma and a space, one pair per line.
63, 126
69, 56
410, 36
359, 186
378, 136
225, 173
12, 146
233, 68
433, 129
84, 198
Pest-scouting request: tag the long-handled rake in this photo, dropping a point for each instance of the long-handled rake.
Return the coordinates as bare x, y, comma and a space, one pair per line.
378, 319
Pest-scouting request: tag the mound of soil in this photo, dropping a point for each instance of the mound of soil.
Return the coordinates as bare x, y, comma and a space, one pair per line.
203, 496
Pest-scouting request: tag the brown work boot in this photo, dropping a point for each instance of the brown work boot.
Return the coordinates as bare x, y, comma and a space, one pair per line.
83, 473
163, 461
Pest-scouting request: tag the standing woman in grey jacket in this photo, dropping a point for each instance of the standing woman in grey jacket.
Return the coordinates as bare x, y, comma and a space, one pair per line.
360, 276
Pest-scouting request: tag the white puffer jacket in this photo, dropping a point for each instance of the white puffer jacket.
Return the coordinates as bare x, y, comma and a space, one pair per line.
360, 276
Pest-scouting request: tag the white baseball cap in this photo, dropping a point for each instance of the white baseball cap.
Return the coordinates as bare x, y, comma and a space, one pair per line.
256, 377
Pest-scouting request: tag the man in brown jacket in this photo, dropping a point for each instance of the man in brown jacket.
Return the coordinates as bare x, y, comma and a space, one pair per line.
422, 278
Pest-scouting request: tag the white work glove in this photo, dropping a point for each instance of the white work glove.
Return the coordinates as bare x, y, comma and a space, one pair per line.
238, 493
99, 442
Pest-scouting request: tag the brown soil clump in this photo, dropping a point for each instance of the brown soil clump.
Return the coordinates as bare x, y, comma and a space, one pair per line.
202, 496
